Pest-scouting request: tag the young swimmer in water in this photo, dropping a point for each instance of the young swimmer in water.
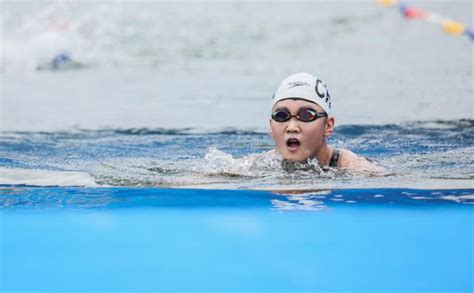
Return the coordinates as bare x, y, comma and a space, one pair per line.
301, 122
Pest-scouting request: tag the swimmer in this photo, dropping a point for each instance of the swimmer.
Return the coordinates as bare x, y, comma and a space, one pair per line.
301, 122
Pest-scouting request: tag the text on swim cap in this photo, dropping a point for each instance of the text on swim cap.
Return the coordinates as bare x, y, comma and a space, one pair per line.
297, 83
322, 91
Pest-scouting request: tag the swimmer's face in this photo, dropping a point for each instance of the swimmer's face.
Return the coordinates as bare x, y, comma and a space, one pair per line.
297, 140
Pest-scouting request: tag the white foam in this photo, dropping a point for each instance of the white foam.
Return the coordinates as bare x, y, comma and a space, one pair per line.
14, 176
459, 198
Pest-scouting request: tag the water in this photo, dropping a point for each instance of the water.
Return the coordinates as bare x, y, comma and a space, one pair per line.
144, 164
169, 65
436, 154
89, 239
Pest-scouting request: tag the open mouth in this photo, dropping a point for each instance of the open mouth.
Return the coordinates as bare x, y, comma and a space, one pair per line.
292, 143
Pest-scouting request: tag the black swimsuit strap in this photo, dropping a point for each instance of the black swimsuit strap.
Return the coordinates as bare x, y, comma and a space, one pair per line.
334, 158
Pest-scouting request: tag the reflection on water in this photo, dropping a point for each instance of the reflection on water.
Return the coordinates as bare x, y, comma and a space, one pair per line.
24, 197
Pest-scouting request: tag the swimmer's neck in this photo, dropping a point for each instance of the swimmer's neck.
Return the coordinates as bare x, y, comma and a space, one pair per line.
324, 153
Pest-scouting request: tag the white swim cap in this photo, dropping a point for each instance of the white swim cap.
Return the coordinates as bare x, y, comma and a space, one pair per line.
304, 86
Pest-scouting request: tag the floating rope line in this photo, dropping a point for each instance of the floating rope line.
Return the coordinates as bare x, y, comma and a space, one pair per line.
449, 26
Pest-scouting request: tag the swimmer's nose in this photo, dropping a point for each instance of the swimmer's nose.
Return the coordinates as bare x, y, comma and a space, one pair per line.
293, 125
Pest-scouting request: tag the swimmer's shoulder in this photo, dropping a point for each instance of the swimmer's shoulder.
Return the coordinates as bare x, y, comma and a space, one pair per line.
352, 161
346, 158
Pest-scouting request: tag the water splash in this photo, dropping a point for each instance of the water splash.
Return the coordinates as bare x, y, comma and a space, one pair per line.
415, 155
216, 167
153, 34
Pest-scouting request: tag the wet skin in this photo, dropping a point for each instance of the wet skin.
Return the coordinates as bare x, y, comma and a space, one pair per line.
297, 140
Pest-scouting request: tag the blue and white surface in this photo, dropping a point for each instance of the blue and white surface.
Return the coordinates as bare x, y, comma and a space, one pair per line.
141, 163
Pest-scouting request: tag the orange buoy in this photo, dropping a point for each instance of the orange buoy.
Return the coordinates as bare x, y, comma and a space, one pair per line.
387, 2
453, 27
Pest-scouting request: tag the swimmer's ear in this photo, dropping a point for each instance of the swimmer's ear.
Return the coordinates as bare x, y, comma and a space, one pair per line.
329, 129
270, 127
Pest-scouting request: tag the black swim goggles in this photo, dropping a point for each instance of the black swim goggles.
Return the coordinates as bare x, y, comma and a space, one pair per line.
304, 115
